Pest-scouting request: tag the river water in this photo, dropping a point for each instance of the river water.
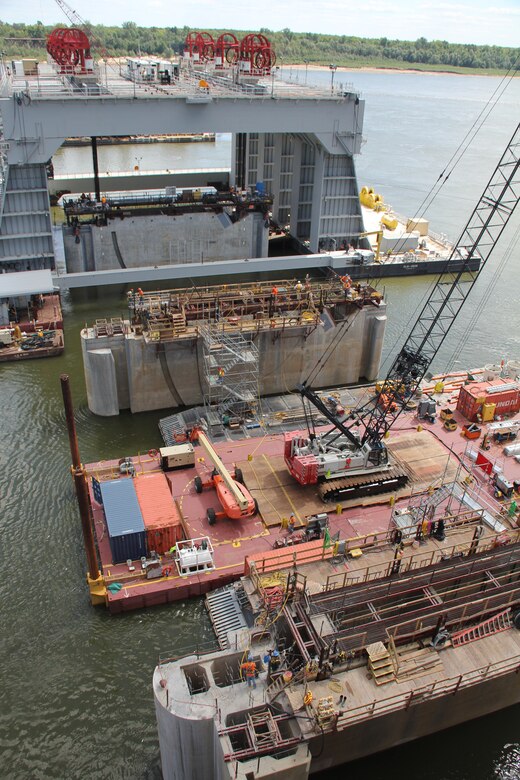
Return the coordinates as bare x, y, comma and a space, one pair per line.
75, 699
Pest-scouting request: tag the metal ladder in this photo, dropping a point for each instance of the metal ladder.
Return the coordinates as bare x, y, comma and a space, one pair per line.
500, 622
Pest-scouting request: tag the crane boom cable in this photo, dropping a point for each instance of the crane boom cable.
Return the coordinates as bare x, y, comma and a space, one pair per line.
466, 142
478, 238
479, 307
495, 206
430, 197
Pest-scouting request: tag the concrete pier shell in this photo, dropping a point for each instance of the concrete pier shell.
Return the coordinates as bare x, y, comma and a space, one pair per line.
168, 374
163, 240
325, 750
188, 728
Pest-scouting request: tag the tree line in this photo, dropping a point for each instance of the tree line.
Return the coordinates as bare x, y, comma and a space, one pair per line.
290, 47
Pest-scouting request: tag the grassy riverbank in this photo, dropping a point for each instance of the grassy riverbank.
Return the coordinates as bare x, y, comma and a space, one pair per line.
345, 51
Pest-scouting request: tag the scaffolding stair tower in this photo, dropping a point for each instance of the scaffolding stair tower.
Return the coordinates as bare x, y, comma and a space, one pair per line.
231, 372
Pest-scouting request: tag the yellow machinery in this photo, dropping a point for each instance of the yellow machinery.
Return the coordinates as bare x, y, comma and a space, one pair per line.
389, 387
389, 221
379, 234
371, 199
448, 420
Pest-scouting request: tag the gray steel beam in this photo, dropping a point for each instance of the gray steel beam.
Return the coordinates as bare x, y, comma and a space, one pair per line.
24, 122
195, 270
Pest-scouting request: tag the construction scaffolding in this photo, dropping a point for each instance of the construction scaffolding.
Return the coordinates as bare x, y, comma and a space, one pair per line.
231, 373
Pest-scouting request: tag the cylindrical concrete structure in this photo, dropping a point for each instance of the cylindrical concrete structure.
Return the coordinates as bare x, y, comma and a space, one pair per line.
102, 385
189, 744
377, 335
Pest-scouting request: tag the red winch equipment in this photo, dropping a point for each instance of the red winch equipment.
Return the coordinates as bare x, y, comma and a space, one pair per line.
256, 55
227, 49
70, 48
199, 46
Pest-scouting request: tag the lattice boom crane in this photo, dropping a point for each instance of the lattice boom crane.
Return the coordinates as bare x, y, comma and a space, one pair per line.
355, 446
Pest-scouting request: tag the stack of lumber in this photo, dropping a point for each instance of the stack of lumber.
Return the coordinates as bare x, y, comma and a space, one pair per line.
415, 662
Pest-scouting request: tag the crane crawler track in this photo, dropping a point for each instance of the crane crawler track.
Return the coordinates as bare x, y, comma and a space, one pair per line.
360, 486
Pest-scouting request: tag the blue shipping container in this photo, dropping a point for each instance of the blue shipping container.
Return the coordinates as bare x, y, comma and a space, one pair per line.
125, 523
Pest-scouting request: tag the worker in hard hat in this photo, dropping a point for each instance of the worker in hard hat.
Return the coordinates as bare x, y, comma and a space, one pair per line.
249, 669
273, 661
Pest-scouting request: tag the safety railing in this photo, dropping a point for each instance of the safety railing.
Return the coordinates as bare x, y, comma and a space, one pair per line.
289, 557
112, 85
419, 560
434, 690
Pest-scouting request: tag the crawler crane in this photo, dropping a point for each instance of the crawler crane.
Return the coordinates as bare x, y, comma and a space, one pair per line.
351, 459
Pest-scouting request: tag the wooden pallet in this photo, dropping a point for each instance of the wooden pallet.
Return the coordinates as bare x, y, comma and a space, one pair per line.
380, 663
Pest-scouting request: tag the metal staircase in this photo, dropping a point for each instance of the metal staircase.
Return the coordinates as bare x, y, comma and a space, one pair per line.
225, 613
231, 371
427, 504
499, 622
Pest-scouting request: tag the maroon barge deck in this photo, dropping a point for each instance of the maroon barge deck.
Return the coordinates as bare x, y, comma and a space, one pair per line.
48, 316
426, 454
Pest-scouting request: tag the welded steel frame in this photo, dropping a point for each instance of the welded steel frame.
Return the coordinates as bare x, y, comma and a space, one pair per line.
422, 621
495, 569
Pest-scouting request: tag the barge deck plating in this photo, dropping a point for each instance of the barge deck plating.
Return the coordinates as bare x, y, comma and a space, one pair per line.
432, 457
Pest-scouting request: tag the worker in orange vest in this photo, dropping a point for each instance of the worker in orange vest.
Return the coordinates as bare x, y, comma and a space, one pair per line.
249, 668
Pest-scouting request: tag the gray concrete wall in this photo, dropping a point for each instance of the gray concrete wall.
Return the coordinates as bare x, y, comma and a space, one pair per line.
161, 376
163, 240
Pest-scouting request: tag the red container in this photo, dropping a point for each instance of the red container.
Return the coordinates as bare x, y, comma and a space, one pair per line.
473, 396
161, 517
